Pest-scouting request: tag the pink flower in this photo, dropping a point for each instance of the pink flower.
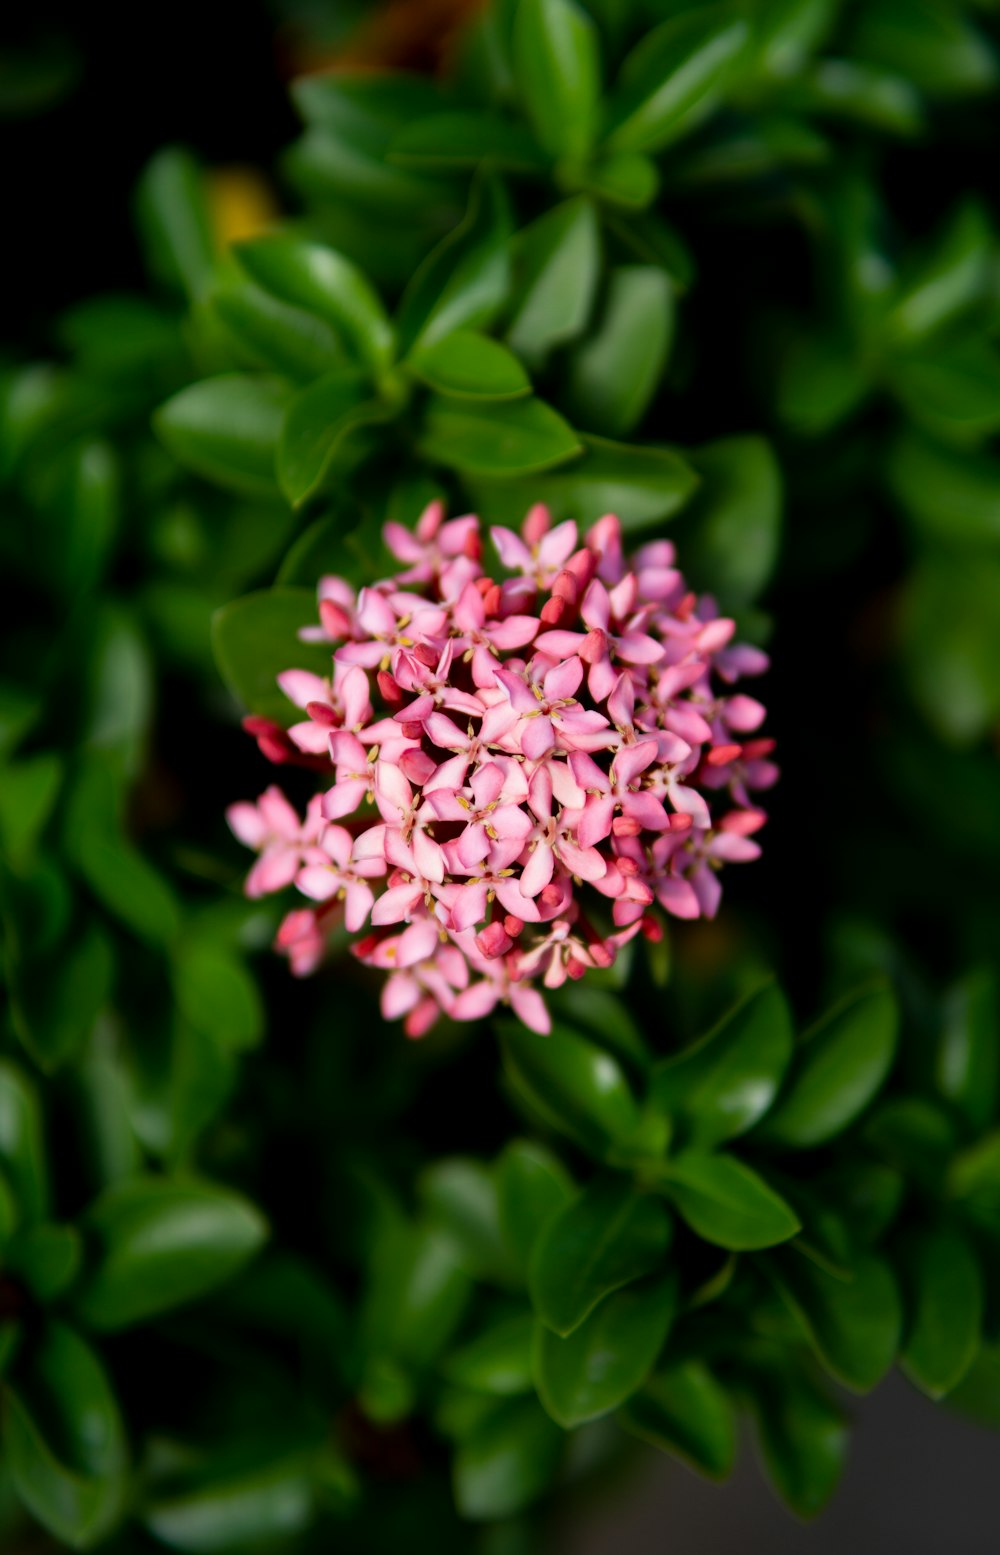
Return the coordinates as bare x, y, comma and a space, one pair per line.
539, 777
272, 828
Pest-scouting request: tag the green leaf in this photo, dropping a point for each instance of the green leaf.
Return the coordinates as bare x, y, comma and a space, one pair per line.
465, 139
226, 429
497, 1360
951, 643
265, 1507
842, 1063
803, 1435
614, 373
217, 994
316, 425
532, 1187
674, 77
28, 792
277, 336
642, 485
731, 532
22, 1142
558, 72
464, 282
460, 1198
256, 637
953, 390
948, 280
607, 1237
175, 223
505, 438
118, 874
608, 1357
120, 690
45, 1258
578, 1088
53, 1017
932, 45
606, 1018
558, 268
943, 1286
318, 279
161, 1243
64, 1440
417, 1294
506, 1462
723, 1084
728, 1204
821, 380
952, 495
684, 1411
468, 365
625, 178
968, 1056
854, 1325
860, 93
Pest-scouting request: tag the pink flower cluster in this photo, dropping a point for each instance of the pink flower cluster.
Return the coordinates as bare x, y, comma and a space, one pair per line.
522, 768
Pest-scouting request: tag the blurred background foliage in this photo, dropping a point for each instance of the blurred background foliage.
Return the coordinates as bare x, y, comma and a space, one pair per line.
270, 1276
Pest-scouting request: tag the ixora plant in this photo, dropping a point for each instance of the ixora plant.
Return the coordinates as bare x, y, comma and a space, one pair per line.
270, 1275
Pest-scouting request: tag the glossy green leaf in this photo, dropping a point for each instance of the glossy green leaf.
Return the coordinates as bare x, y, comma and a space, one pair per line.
803, 1435
732, 529
842, 1063
951, 643
417, 1294
46, 1258
464, 282
953, 390
727, 1203
576, 1086
723, 1084
855, 1324
675, 76
607, 1237
264, 1507
943, 1287
460, 1198
316, 426
860, 93
218, 994
118, 874
948, 279
28, 792
276, 335
497, 1360
615, 372
625, 178
53, 1017
684, 1411
934, 46
608, 1357
557, 269
256, 637
642, 485
226, 429
468, 365
160, 1243
606, 1018
507, 438
506, 1462
968, 1057
821, 380
120, 691
952, 495
532, 1187
175, 223
318, 279
22, 1142
557, 68
64, 1439
462, 138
